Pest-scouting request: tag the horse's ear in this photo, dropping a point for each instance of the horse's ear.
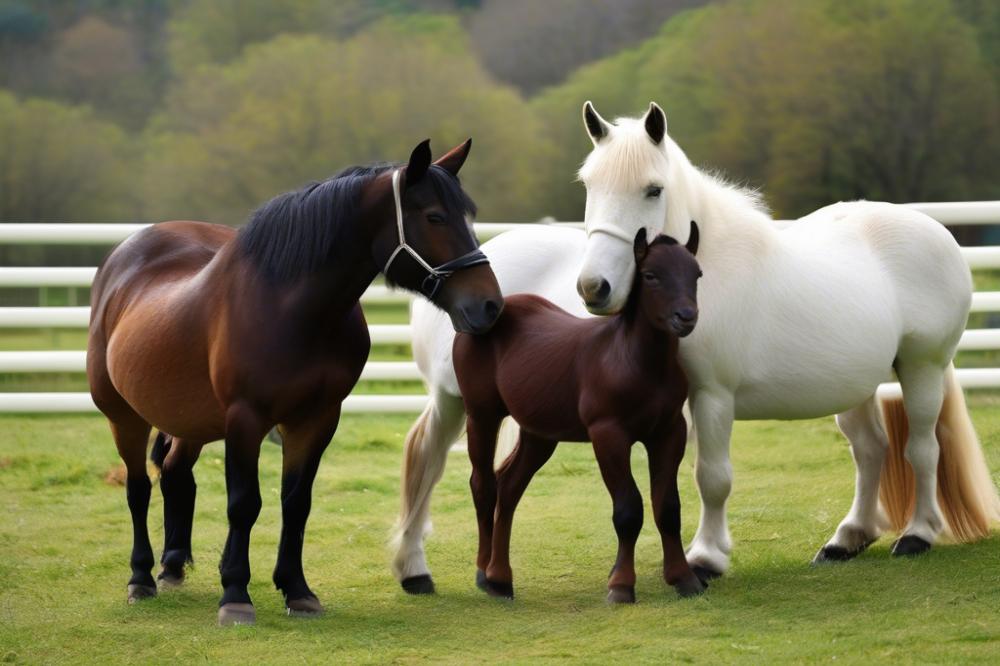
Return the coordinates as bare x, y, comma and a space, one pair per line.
656, 123
639, 246
453, 160
596, 126
692, 244
420, 162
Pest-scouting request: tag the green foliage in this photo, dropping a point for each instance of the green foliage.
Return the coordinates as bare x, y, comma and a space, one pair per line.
299, 108
62, 164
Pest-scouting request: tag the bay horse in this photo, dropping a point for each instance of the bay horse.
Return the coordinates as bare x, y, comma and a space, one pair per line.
611, 381
206, 333
828, 307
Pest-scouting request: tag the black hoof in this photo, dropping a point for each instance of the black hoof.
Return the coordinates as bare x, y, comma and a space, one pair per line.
137, 592
910, 545
829, 554
422, 584
705, 574
481, 579
499, 590
621, 594
691, 587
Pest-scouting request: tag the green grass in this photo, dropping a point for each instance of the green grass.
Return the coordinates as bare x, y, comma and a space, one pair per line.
65, 539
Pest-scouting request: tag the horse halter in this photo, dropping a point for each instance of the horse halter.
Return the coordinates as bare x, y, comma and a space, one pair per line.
610, 230
434, 276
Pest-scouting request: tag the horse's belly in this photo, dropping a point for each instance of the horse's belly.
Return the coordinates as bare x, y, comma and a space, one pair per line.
163, 376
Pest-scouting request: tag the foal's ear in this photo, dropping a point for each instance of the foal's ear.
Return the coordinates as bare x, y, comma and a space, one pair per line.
656, 123
453, 160
639, 246
597, 127
420, 161
692, 244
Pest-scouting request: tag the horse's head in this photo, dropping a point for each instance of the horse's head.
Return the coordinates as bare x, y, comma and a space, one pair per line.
666, 283
627, 176
425, 241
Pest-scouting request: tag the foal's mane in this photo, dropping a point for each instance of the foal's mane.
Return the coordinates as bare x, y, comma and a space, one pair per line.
298, 232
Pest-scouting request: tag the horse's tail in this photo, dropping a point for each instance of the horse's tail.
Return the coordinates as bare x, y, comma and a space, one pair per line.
966, 492
506, 440
415, 487
161, 447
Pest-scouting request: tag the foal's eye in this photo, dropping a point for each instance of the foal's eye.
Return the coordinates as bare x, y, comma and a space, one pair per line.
649, 277
435, 218
653, 191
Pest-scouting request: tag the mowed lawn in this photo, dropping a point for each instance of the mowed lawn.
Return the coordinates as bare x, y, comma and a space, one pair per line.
65, 538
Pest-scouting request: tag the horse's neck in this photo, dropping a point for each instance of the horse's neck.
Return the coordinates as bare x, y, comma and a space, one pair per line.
726, 216
649, 347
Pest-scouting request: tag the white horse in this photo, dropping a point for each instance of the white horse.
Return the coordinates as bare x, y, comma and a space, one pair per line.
796, 321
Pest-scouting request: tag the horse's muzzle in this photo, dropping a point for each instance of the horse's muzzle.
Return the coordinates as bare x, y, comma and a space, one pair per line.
476, 316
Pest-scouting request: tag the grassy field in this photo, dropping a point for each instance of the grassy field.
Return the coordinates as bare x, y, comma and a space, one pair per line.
65, 539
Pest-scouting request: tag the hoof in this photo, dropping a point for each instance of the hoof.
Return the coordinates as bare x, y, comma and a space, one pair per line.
422, 584
305, 607
830, 553
169, 579
705, 574
910, 545
621, 594
236, 613
494, 588
690, 587
140, 592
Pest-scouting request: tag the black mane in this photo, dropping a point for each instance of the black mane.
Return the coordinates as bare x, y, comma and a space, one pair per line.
296, 233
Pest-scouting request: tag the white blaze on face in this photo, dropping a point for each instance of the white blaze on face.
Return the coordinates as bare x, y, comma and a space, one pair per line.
625, 176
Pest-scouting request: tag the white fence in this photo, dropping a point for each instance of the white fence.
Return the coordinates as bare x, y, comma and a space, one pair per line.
958, 213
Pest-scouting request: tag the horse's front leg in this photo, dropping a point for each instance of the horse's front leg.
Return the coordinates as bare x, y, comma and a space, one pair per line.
302, 449
665, 455
613, 449
244, 432
713, 415
481, 435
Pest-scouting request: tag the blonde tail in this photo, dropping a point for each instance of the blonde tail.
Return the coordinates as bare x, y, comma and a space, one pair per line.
506, 441
966, 492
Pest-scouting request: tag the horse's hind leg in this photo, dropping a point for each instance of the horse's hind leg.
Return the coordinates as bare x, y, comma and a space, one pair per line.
131, 435
923, 395
513, 477
176, 459
860, 528
427, 446
303, 448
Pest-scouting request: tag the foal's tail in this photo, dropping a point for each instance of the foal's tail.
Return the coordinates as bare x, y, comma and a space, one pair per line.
161, 447
966, 492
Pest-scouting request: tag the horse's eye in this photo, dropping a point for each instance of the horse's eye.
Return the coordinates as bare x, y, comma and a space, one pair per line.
653, 191
435, 218
649, 277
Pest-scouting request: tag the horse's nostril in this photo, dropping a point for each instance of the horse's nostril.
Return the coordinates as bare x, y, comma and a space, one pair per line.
686, 314
603, 290
491, 309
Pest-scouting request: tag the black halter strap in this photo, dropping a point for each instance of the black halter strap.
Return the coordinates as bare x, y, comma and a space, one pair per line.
434, 275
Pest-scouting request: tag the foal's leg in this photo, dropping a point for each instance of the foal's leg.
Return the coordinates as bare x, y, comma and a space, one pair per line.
244, 432
427, 446
482, 440
131, 435
179, 489
923, 394
665, 455
713, 415
859, 529
613, 449
513, 477
303, 447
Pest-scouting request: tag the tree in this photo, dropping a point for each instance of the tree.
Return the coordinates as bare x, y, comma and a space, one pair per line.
61, 164
300, 108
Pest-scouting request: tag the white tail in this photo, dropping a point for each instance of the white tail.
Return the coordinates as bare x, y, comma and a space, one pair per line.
966, 492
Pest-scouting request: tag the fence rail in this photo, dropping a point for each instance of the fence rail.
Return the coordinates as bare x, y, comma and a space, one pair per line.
15, 362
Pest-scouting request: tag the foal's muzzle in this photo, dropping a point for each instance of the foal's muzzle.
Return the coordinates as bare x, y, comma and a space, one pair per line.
683, 321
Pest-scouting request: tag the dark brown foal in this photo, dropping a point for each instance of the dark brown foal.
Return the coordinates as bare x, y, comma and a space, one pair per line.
601, 380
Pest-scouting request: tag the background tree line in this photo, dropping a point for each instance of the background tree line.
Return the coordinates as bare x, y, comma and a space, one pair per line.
126, 110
